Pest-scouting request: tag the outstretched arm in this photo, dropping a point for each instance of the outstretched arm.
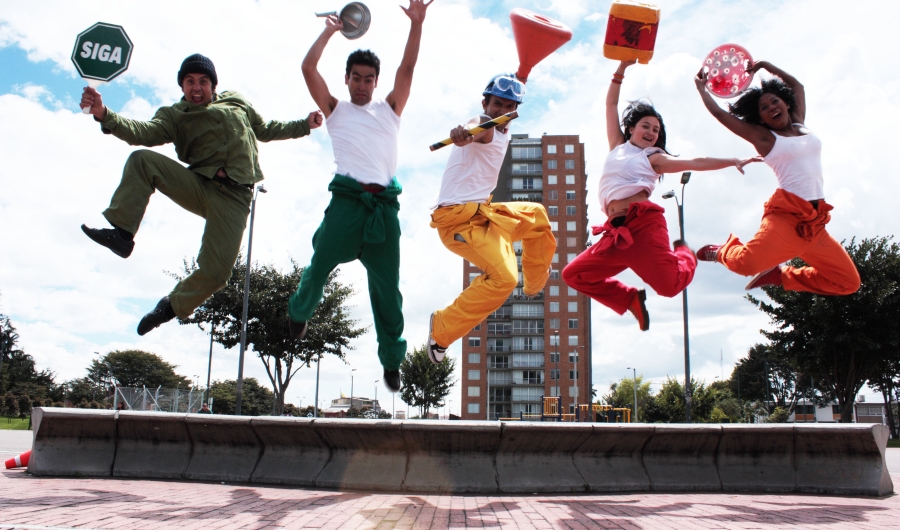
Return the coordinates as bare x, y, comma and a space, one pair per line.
798, 113
613, 130
403, 81
663, 163
318, 89
759, 136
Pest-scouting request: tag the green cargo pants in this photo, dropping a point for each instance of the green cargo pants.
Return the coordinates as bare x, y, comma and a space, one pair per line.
364, 226
222, 202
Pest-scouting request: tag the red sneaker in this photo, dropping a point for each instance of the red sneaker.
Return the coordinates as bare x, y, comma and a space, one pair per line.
708, 252
639, 309
767, 277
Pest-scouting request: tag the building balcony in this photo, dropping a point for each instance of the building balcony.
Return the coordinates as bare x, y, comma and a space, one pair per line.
494, 348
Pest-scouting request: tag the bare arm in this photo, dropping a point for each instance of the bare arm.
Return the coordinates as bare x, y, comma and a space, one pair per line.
798, 113
663, 163
758, 135
613, 130
403, 81
318, 89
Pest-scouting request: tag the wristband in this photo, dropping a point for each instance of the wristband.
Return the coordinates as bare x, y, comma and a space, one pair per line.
616, 81
618, 76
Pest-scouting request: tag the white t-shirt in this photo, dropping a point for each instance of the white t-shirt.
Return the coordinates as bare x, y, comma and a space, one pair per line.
364, 140
472, 171
797, 162
627, 171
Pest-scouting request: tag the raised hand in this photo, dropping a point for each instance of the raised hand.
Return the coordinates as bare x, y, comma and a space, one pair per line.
416, 10
315, 119
333, 24
700, 80
757, 66
92, 99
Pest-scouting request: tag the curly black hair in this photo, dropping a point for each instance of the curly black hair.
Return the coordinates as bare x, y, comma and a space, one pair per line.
365, 58
747, 107
641, 109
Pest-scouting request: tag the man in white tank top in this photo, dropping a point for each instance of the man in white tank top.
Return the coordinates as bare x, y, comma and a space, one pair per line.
361, 220
481, 232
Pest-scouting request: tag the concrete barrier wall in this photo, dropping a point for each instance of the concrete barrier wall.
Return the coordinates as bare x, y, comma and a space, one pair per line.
462, 457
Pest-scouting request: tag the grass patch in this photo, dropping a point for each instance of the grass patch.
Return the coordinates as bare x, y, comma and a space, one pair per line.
894, 442
13, 424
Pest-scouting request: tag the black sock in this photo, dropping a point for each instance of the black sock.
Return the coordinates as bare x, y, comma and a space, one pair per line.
124, 234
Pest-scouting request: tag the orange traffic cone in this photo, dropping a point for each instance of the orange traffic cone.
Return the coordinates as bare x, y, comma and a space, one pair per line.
19, 461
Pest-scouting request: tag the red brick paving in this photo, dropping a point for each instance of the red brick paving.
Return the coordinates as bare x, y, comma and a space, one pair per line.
28, 502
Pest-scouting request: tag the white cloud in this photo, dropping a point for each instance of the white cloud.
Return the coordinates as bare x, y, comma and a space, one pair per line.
70, 297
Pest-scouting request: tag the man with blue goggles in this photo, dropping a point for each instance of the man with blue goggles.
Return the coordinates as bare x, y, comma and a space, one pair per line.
481, 232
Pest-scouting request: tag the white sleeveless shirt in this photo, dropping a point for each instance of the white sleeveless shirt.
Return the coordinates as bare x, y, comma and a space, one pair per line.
627, 171
472, 171
364, 140
797, 162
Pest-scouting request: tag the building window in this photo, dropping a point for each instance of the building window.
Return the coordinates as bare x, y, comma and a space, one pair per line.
554, 357
473, 408
551, 149
573, 324
499, 328
527, 310
554, 290
554, 195
531, 168
573, 307
554, 323
554, 391
474, 341
573, 357
527, 393
554, 340
570, 148
572, 292
570, 226
475, 375
554, 274
477, 328
570, 257
528, 377
554, 307
553, 211
475, 358
570, 179
573, 340
573, 391
473, 275
554, 373
474, 391
573, 375
555, 258
551, 164
570, 210
554, 225
571, 241
551, 179
570, 195
528, 344
526, 152
570, 164
528, 326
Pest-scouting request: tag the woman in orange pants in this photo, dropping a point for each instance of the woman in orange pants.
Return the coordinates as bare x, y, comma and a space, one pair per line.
793, 225
635, 234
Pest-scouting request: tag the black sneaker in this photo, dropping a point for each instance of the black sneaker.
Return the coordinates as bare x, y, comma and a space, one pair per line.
297, 329
161, 314
392, 380
111, 239
436, 352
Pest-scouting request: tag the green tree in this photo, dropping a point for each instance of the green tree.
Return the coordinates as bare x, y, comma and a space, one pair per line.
767, 374
330, 329
841, 340
82, 390
10, 405
256, 399
621, 394
18, 373
668, 405
425, 384
134, 368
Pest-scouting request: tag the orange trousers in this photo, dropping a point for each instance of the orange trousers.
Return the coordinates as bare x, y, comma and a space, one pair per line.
793, 228
484, 234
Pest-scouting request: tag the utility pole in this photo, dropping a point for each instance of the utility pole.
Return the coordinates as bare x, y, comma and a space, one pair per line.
240, 379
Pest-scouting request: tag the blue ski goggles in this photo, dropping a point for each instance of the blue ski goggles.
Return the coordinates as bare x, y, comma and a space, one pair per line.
506, 86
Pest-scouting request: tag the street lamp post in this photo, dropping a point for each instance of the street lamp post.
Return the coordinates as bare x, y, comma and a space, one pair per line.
351, 387
316, 403
212, 331
685, 177
558, 397
240, 379
376, 392
634, 387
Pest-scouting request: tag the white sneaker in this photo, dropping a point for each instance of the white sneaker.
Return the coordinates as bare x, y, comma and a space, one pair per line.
436, 352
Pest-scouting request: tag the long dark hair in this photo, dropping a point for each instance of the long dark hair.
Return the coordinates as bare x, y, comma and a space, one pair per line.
634, 112
747, 107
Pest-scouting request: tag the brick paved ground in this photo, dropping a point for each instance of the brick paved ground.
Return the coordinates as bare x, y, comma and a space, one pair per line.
27, 502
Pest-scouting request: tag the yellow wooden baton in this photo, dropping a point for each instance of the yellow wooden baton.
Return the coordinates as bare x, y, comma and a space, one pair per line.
499, 120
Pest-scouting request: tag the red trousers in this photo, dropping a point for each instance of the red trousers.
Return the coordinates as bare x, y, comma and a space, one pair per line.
792, 228
640, 244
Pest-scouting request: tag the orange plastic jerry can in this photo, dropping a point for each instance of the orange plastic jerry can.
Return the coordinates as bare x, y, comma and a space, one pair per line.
631, 31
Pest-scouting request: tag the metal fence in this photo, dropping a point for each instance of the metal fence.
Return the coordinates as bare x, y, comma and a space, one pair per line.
161, 399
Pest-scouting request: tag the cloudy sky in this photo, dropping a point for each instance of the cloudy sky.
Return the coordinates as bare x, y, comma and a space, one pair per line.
70, 298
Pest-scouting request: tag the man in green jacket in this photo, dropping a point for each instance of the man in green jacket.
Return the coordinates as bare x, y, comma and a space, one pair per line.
215, 135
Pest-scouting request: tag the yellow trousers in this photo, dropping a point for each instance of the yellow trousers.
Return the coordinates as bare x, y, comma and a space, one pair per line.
483, 234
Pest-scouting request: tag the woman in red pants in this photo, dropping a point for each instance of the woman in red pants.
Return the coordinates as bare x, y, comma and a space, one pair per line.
635, 235
793, 225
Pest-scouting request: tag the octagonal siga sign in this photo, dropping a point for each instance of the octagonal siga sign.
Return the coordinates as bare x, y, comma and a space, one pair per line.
102, 52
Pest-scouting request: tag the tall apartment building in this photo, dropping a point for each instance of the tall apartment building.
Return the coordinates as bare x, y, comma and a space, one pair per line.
540, 345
